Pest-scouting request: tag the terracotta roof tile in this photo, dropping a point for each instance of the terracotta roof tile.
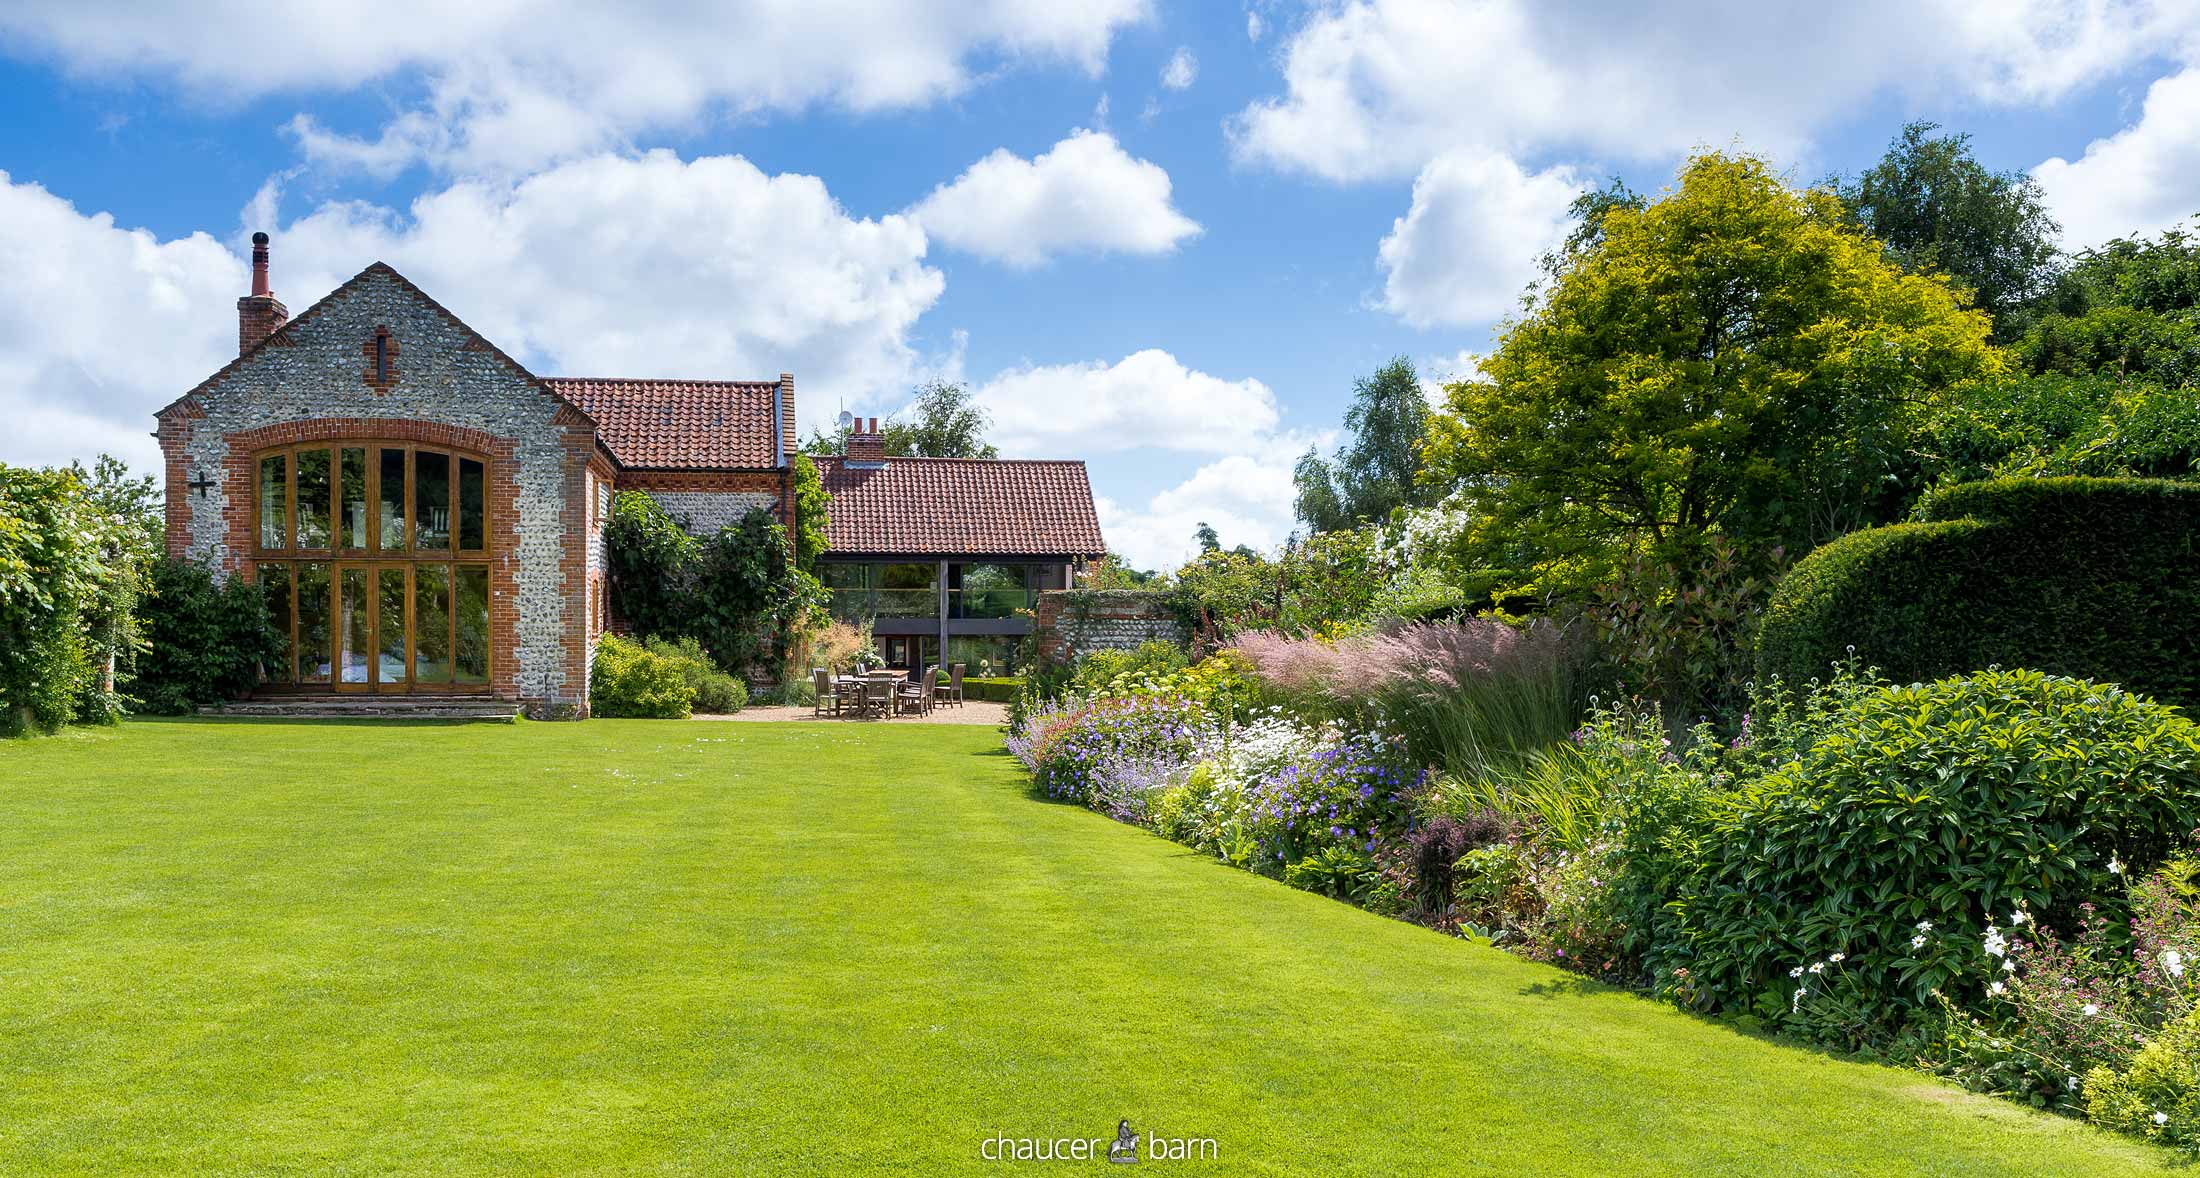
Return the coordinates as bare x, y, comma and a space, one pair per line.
961, 506
681, 424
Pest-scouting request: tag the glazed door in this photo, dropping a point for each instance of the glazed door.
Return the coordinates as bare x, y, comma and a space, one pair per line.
372, 629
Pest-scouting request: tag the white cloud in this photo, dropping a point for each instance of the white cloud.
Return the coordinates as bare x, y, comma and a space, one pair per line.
1246, 497
2142, 179
1470, 241
100, 326
1148, 399
1376, 88
649, 266
613, 266
1085, 194
509, 84
1254, 26
1182, 70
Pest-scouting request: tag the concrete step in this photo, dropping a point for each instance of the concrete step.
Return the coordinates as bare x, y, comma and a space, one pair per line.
370, 707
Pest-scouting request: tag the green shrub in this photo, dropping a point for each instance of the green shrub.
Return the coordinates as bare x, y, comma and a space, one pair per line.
1919, 816
716, 692
630, 681
2094, 578
205, 641
1100, 670
2158, 1096
1000, 689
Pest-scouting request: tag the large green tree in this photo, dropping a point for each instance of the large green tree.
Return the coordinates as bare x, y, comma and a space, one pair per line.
1734, 358
1938, 208
1376, 471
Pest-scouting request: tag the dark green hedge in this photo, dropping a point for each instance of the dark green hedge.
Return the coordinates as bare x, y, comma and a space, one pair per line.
2096, 578
999, 689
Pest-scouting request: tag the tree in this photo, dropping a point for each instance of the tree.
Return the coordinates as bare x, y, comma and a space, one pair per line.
1938, 209
1209, 541
1375, 472
942, 421
1735, 358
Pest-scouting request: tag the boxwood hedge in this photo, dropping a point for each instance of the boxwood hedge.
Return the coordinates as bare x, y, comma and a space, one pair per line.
2096, 578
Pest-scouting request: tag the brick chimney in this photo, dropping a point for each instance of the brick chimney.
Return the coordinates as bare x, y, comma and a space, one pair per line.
866, 445
258, 313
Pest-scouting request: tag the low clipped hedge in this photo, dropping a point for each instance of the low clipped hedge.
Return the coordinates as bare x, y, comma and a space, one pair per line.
2094, 578
999, 689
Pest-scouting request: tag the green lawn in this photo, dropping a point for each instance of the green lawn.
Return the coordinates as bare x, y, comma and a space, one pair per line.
660, 947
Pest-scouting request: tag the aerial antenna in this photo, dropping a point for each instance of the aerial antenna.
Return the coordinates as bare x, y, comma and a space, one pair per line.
847, 421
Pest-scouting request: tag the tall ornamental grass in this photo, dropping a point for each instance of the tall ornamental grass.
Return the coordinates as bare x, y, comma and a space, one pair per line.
1476, 698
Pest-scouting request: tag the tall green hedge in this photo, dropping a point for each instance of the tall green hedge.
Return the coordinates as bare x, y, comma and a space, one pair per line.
2096, 578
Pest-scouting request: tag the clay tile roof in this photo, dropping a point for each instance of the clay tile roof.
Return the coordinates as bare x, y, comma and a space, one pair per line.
961, 507
681, 424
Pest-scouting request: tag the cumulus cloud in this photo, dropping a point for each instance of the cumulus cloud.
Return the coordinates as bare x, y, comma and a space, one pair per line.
101, 325
1146, 399
1182, 70
648, 266
2142, 179
1246, 497
1086, 194
509, 84
1376, 88
1470, 241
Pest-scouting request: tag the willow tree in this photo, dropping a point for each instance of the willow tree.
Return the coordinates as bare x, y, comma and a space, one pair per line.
1734, 358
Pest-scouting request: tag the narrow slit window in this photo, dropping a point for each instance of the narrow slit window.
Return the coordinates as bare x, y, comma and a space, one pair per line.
382, 357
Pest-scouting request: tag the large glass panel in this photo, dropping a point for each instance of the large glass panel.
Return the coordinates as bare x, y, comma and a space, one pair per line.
472, 656
432, 623
389, 624
354, 491
314, 490
982, 656
392, 495
472, 528
431, 500
908, 591
275, 501
313, 627
351, 624
275, 584
994, 590
850, 585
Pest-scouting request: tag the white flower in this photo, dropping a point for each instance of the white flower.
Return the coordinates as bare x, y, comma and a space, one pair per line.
1837, 957
1797, 1004
2115, 865
1996, 946
2174, 962
1796, 972
1918, 941
2018, 917
1817, 967
2008, 967
2090, 1009
2071, 1084
1996, 990
1924, 926
2160, 1117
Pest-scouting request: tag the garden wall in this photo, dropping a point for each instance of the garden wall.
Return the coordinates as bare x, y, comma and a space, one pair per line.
1072, 621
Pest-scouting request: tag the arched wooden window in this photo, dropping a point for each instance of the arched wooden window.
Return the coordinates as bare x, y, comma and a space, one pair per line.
375, 558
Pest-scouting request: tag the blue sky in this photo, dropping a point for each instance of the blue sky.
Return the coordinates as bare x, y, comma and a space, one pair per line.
1193, 226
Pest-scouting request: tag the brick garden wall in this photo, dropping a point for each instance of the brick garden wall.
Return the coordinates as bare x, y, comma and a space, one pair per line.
1073, 621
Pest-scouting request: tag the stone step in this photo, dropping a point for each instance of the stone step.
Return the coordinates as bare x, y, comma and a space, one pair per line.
352, 707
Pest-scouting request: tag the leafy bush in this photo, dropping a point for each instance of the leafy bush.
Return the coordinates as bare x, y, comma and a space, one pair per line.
629, 681
51, 570
1683, 636
1112, 671
205, 641
2158, 1096
1434, 849
1000, 690
716, 693
1337, 872
1918, 812
1109, 753
651, 558
2097, 578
